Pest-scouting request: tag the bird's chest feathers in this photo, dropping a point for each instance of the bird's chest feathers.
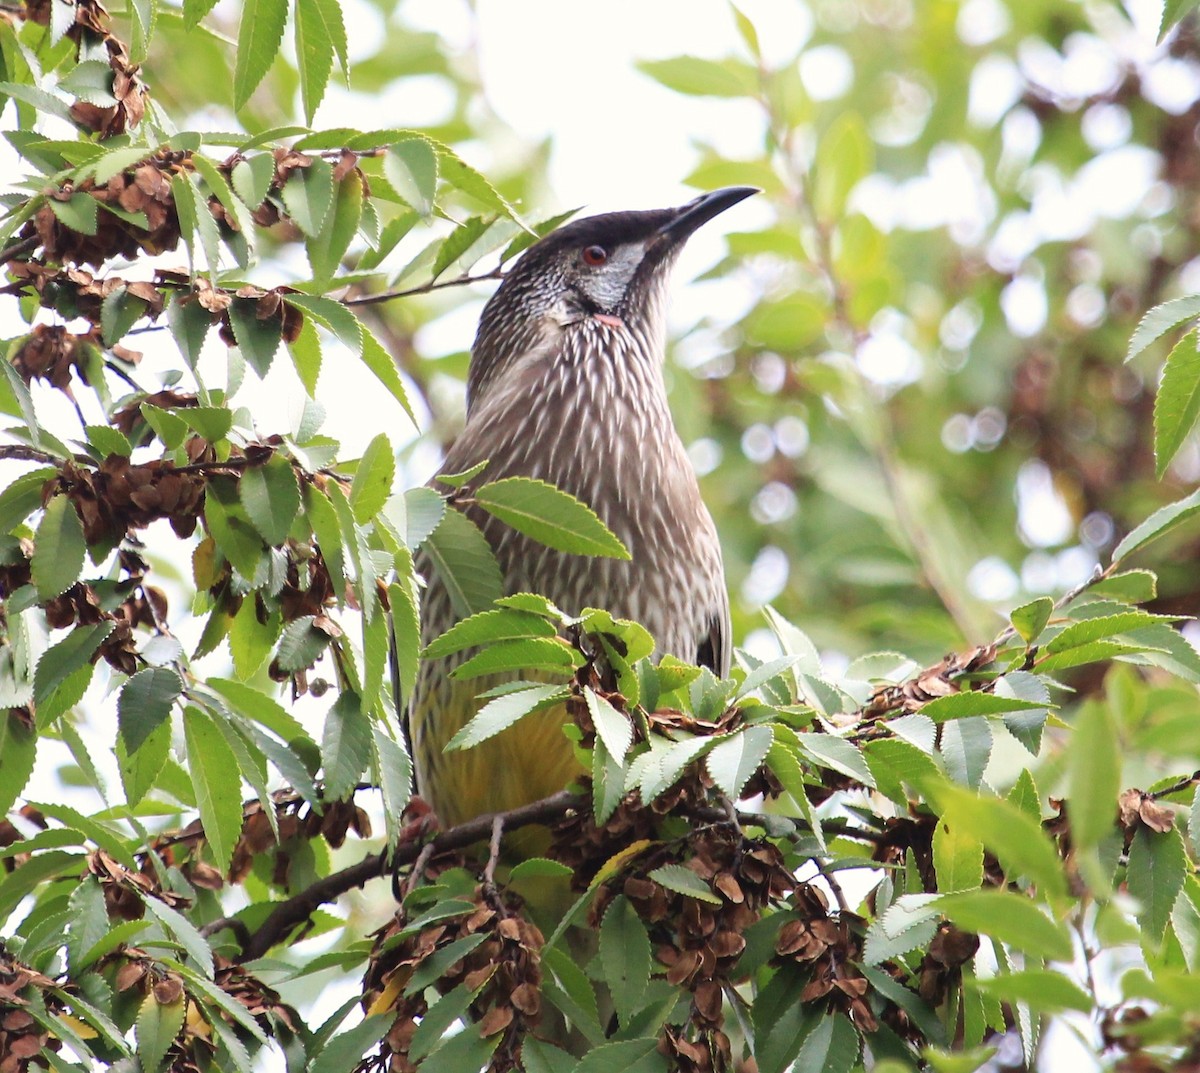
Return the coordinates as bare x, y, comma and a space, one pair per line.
591, 418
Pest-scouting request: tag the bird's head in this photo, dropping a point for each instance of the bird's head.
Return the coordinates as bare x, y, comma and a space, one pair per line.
611, 270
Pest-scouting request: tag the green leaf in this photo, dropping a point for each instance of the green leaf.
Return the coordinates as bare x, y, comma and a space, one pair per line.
704, 78
211, 422
145, 704
259, 37
459, 174
326, 250
157, 1026
271, 498
502, 712
60, 661
119, 311
373, 479
395, 775
533, 654
40, 867
406, 635
437, 963
1093, 775
344, 1050
22, 497
1011, 918
411, 166
252, 177
458, 480
957, 858
1016, 839
974, 702
1043, 990
195, 10
539, 868
1173, 12
549, 516
79, 212
608, 782
844, 157
300, 645
458, 242
1160, 320
1161, 521
1095, 629
58, 549
782, 1022
1158, 866
488, 627
227, 525
140, 770
319, 30
323, 519
734, 760
1030, 619
168, 427
966, 748
258, 340
377, 358
18, 751
185, 933
190, 324
628, 1056
1178, 402
308, 195
1025, 726
684, 881
217, 782
345, 746
831, 1047
108, 440
465, 564
624, 956
837, 754
614, 728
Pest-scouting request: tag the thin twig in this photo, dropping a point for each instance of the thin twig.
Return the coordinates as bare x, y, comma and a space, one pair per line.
489, 871
424, 288
238, 927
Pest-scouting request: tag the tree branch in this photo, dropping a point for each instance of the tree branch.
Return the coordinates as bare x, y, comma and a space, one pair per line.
298, 908
21, 453
26, 245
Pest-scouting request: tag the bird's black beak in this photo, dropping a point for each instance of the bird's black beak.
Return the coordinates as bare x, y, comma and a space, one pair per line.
689, 217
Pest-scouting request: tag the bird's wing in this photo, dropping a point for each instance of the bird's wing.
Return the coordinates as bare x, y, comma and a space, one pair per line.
715, 649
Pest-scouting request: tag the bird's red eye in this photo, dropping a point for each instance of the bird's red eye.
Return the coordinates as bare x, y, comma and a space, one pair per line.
595, 255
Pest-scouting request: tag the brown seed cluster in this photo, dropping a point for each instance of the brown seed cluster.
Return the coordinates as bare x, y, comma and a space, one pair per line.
124, 889
21, 1037
505, 968
9, 834
51, 353
194, 1047
940, 680
1138, 808
145, 189
294, 822
699, 942
121, 495
92, 28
